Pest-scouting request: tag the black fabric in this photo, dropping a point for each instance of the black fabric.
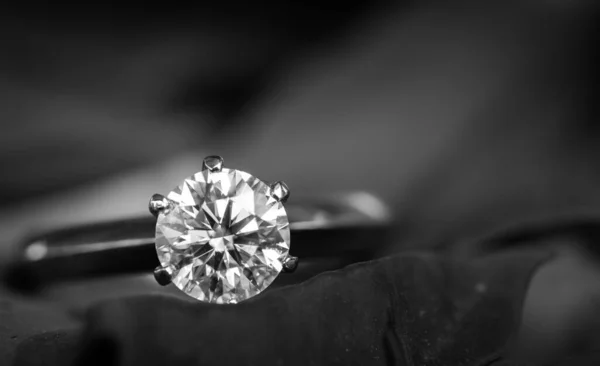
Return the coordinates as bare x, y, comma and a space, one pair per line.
409, 309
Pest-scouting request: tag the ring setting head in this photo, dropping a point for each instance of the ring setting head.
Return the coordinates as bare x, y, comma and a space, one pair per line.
222, 235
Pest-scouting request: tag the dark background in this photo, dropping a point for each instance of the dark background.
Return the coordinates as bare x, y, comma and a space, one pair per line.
463, 117
440, 107
172, 73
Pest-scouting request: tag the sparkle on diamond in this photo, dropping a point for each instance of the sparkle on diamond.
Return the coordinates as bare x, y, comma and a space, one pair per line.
224, 235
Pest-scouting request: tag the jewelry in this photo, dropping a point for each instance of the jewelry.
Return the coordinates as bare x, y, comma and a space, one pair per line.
222, 236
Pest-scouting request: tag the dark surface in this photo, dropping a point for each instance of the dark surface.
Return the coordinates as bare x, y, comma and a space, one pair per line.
411, 309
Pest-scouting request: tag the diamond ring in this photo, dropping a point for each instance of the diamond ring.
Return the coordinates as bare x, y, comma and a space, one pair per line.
222, 235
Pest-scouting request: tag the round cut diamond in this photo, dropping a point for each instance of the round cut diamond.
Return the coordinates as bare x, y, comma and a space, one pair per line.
224, 236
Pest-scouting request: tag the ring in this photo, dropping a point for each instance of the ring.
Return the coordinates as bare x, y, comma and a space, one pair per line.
222, 236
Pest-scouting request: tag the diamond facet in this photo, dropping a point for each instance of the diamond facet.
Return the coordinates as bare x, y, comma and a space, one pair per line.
224, 235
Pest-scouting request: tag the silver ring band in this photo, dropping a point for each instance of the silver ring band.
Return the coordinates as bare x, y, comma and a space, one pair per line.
328, 233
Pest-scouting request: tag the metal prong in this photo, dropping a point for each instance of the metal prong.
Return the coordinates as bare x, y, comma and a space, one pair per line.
290, 264
163, 275
158, 203
280, 191
213, 163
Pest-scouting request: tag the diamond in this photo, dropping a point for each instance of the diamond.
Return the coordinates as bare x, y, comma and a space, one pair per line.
224, 236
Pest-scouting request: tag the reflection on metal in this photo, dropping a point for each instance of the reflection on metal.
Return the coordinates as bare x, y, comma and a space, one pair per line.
157, 204
356, 209
39, 250
341, 227
36, 250
213, 163
280, 191
369, 205
290, 264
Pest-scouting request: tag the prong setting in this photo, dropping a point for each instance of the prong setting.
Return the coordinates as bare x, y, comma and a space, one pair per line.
290, 264
251, 199
213, 163
158, 203
280, 191
163, 275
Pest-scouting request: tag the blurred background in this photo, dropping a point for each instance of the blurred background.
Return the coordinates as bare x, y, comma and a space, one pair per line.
463, 117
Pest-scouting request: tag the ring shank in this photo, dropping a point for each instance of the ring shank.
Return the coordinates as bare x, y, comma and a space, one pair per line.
341, 230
